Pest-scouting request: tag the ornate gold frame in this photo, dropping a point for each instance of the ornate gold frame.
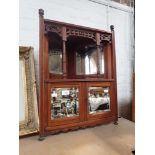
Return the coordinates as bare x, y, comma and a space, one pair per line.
31, 122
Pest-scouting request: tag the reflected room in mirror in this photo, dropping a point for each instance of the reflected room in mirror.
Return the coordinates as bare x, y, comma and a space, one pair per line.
86, 60
98, 99
88, 56
55, 54
64, 102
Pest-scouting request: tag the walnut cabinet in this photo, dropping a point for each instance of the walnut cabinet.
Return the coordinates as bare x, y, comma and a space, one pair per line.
77, 76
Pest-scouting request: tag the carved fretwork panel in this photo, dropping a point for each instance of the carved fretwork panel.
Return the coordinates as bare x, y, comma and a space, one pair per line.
105, 37
53, 28
81, 33
76, 32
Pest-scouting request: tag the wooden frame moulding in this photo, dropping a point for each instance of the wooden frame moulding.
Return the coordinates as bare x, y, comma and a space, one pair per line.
28, 97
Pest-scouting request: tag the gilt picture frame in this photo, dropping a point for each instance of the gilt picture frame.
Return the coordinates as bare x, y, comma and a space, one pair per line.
28, 106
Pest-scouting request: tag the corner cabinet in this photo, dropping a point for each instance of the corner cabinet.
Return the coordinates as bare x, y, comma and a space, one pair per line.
77, 76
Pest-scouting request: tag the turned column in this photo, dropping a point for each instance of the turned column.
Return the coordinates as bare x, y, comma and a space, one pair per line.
64, 61
41, 74
98, 52
113, 51
114, 67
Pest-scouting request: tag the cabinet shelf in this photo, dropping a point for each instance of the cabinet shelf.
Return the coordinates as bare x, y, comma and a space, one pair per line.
78, 80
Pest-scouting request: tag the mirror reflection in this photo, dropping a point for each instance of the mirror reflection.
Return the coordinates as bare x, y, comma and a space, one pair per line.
86, 60
64, 102
101, 60
55, 61
98, 99
55, 54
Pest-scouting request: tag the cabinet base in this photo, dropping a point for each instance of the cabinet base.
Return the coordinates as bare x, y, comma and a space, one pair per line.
50, 130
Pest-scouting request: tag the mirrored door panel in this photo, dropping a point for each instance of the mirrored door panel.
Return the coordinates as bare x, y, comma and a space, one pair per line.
64, 102
98, 99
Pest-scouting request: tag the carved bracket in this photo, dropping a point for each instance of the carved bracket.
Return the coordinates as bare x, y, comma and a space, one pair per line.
53, 28
105, 37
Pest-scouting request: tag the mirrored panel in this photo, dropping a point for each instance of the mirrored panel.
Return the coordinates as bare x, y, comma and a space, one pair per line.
55, 61
64, 102
55, 54
101, 59
91, 62
86, 60
98, 99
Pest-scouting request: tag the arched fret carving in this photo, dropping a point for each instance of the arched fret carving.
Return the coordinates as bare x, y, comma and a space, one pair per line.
53, 28
81, 33
105, 37
76, 32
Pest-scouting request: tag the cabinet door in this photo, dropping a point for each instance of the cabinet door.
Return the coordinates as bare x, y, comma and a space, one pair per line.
100, 100
64, 103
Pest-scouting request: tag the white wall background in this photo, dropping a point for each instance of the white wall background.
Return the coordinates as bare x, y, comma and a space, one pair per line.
92, 13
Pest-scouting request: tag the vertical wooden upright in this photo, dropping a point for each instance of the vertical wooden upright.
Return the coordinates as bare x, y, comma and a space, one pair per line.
114, 69
64, 61
41, 73
98, 52
133, 97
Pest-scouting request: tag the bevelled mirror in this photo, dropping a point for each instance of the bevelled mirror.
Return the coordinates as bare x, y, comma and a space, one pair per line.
64, 102
86, 59
98, 99
55, 54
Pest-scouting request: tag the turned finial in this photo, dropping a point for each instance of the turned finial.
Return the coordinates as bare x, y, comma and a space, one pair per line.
41, 12
112, 27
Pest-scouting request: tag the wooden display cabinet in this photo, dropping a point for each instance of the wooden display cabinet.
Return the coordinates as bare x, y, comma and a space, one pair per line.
77, 76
